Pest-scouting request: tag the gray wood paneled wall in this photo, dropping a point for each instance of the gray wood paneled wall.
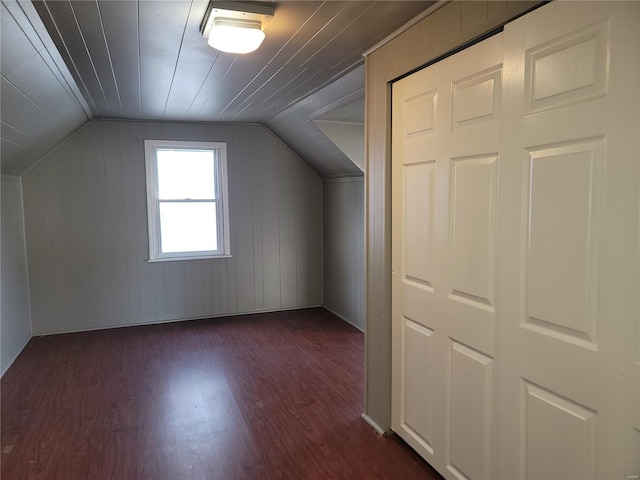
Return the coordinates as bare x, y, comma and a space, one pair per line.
15, 325
446, 26
87, 240
343, 212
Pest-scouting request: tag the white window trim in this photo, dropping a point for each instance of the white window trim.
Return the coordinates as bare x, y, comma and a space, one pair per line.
222, 203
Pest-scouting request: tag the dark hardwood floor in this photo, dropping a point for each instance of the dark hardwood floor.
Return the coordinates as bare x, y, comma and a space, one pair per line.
261, 396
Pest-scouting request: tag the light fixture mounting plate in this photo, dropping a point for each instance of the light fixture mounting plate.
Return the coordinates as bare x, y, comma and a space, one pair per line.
258, 11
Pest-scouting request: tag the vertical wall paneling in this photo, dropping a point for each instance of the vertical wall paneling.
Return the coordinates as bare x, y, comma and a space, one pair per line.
96, 225
130, 221
172, 283
15, 323
240, 162
309, 241
287, 201
256, 188
227, 266
359, 196
55, 238
270, 224
74, 244
87, 240
194, 289
37, 242
343, 213
146, 281
116, 222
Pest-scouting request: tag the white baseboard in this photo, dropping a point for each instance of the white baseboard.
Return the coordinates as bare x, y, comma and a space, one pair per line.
175, 320
343, 318
375, 426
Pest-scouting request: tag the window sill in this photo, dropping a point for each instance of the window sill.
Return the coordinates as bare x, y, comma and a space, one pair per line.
179, 259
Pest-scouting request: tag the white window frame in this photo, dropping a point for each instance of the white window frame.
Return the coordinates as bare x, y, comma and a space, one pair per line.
153, 200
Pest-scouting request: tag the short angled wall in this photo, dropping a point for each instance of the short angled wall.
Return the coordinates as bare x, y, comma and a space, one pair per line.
343, 212
15, 324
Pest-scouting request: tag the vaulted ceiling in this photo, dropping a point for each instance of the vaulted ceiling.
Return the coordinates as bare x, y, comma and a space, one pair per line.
67, 61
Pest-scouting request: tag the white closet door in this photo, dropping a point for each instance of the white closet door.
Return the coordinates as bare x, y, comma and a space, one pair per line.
515, 250
567, 304
445, 166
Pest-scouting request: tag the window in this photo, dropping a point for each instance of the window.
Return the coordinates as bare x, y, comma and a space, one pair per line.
187, 200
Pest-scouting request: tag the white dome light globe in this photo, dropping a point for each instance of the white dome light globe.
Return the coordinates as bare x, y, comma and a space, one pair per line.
236, 36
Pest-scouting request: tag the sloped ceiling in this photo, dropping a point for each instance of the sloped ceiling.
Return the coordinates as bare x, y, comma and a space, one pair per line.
295, 125
147, 60
39, 102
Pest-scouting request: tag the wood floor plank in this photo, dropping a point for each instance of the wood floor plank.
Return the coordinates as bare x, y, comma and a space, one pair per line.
268, 396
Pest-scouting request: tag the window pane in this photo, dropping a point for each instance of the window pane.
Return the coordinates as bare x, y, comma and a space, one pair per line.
186, 174
188, 227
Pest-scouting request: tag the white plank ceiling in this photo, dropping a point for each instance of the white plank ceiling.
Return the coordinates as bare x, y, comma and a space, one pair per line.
146, 59
40, 104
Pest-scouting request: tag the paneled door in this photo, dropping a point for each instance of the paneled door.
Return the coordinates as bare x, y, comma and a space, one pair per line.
516, 250
567, 310
445, 164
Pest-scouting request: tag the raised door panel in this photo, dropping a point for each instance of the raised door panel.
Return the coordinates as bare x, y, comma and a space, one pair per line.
420, 120
476, 99
559, 436
417, 410
473, 220
419, 193
563, 191
568, 69
470, 424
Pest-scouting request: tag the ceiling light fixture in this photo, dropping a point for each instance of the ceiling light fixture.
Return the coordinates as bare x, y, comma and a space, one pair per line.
236, 27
